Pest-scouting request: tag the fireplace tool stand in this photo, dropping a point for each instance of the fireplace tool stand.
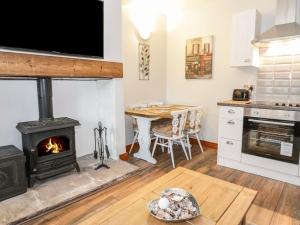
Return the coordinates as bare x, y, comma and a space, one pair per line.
100, 136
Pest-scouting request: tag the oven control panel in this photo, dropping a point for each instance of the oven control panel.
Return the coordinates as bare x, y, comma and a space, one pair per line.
273, 114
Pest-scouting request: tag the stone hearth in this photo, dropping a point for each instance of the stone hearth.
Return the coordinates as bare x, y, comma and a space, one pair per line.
52, 192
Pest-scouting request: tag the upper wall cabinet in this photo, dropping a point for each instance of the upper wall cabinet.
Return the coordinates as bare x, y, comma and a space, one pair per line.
245, 27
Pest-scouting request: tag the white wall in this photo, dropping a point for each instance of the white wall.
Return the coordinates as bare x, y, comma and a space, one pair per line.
112, 30
142, 91
202, 18
81, 100
111, 113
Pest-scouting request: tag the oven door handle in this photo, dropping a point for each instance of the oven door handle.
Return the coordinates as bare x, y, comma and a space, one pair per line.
272, 122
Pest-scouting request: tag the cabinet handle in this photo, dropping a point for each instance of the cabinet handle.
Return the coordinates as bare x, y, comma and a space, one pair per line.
247, 60
229, 142
231, 122
231, 111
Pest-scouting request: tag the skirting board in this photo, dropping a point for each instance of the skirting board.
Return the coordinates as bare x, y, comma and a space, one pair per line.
258, 171
207, 144
193, 141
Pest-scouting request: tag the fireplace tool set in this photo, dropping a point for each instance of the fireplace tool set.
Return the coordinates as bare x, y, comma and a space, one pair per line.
100, 136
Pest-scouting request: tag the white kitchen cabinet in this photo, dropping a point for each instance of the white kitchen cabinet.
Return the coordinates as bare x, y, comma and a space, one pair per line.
230, 112
230, 149
230, 143
230, 132
231, 129
245, 28
275, 165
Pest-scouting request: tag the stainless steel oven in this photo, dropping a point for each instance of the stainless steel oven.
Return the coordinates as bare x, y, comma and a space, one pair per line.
272, 134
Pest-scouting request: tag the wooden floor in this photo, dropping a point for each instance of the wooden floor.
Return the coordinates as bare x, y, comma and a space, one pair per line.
277, 203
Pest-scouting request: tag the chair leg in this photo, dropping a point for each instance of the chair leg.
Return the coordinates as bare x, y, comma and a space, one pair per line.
189, 145
184, 150
199, 142
171, 151
133, 142
154, 147
162, 147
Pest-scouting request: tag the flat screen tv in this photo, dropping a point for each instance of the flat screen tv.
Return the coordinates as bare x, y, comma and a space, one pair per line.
68, 27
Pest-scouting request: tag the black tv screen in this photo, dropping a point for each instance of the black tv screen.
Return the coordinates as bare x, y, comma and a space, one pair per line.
71, 27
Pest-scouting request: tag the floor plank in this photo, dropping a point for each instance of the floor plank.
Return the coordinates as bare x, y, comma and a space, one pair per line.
277, 203
288, 209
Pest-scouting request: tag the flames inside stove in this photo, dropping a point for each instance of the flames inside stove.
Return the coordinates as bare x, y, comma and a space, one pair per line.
53, 145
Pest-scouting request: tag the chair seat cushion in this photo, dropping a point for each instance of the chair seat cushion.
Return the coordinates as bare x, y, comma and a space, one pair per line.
188, 129
155, 123
160, 122
163, 130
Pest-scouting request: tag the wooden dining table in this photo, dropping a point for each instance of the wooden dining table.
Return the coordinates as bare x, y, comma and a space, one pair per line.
144, 116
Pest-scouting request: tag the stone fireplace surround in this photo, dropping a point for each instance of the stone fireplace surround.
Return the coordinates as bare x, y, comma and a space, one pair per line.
88, 100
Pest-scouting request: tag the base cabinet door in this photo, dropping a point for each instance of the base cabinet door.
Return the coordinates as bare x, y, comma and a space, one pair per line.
230, 149
231, 129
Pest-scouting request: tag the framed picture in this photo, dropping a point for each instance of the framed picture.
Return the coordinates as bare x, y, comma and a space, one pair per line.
144, 61
198, 58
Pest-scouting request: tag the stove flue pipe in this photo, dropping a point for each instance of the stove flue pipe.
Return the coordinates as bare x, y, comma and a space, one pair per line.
44, 89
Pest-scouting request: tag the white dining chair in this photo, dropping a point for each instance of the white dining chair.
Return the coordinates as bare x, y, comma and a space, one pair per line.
170, 133
134, 124
193, 127
157, 122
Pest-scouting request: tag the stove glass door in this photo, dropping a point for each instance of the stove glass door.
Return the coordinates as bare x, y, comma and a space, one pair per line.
273, 139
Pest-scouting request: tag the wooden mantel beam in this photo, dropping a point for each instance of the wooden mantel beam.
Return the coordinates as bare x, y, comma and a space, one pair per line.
16, 65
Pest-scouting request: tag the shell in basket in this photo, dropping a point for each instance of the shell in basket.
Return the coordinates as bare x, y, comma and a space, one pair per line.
182, 206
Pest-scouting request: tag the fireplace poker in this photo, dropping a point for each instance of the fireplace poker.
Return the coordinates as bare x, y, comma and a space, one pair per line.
106, 146
95, 138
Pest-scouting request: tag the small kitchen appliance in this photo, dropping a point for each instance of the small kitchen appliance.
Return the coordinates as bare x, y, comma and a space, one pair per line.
241, 95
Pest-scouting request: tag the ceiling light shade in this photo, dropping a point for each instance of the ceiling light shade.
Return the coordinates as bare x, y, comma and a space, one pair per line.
143, 15
144, 33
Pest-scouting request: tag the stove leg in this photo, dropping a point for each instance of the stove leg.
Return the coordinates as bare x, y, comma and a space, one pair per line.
31, 181
77, 167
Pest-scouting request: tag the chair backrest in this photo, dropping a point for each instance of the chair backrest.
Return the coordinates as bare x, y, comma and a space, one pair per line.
194, 118
178, 122
153, 104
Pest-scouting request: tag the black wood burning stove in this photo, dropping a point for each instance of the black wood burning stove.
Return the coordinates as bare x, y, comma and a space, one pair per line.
49, 143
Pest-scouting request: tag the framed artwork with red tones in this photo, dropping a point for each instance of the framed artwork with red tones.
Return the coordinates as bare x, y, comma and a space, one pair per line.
199, 58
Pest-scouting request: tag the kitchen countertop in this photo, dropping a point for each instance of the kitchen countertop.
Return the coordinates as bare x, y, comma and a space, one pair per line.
249, 104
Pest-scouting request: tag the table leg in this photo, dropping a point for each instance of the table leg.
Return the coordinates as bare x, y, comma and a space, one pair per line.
144, 139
